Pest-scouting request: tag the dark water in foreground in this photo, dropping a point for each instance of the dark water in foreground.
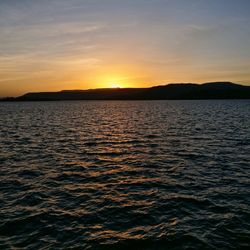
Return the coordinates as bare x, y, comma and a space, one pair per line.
125, 175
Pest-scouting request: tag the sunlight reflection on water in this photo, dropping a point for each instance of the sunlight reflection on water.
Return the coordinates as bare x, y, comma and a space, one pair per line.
125, 174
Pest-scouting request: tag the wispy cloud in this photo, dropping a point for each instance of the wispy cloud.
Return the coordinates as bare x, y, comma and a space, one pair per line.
45, 43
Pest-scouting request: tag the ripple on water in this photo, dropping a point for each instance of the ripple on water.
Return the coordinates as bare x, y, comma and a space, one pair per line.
125, 175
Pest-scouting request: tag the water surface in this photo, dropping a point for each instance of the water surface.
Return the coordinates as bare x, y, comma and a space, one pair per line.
125, 175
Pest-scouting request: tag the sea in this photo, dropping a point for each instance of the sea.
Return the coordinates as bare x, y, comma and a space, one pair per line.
125, 175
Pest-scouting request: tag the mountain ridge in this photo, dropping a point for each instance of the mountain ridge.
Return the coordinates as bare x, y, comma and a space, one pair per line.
172, 91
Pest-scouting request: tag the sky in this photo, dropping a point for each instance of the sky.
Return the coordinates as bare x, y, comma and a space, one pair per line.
51, 45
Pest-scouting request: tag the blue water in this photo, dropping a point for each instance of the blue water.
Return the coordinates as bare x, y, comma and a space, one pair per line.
125, 175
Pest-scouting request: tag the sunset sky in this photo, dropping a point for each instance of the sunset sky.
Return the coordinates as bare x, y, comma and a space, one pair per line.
48, 45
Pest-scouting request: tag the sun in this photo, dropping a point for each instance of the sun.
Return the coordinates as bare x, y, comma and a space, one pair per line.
114, 81
115, 85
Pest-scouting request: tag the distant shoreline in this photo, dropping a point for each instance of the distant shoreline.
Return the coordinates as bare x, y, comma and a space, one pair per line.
188, 91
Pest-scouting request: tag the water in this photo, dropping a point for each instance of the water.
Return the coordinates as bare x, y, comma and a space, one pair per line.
125, 175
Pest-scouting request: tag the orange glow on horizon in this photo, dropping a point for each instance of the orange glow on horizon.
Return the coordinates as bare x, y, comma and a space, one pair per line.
112, 81
118, 77
115, 85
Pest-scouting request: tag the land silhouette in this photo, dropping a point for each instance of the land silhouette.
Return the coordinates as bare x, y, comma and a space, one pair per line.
177, 91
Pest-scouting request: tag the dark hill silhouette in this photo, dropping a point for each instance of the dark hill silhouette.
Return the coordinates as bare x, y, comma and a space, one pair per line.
187, 91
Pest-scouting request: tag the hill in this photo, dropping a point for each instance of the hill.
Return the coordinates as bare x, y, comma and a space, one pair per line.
185, 91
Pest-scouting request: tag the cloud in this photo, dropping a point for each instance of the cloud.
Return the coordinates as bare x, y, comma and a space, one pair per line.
53, 41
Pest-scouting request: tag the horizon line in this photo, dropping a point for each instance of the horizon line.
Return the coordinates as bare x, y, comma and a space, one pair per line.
126, 88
